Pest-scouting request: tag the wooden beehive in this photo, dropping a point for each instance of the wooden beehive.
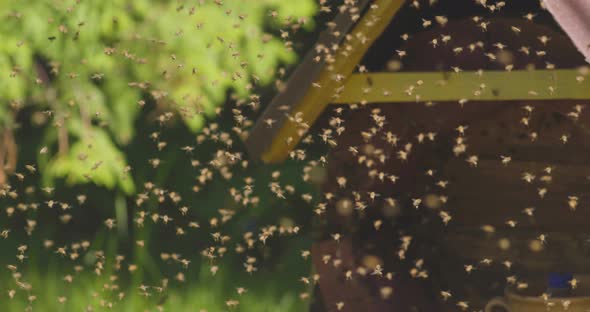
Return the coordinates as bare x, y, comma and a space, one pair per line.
424, 96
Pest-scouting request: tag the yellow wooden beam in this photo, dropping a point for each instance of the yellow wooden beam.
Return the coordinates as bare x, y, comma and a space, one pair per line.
333, 77
466, 86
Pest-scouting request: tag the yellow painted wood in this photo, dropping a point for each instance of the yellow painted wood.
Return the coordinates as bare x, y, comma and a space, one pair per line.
333, 76
450, 86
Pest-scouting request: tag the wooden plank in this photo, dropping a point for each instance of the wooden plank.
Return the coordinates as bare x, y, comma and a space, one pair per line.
571, 84
331, 78
261, 137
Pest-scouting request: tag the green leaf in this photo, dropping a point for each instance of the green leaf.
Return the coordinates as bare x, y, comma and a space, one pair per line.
99, 162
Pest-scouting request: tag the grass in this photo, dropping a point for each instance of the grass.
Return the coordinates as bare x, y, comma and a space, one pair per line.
266, 291
275, 287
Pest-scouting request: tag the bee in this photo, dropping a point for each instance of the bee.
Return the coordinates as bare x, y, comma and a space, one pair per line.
270, 122
188, 149
542, 238
305, 254
572, 202
336, 237
472, 160
373, 195
442, 184
529, 16
564, 138
528, 177
486, 261
544, 39
341, 182
574, 283
445, 294
378, 270
463, 305
542, 192
512, 223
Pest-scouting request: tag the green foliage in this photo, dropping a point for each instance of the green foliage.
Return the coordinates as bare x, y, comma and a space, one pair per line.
210, 295
86, 83
91, 62
99, 161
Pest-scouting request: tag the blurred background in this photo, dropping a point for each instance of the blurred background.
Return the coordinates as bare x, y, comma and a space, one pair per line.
125, 184
98, 99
